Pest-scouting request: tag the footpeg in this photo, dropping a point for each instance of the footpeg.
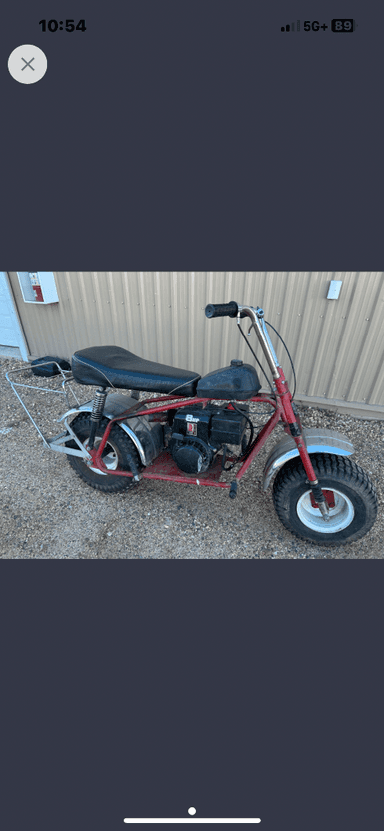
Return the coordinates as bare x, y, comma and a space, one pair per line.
233, 490
133, 466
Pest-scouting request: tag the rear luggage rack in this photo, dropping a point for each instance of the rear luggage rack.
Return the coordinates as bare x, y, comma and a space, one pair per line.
56, 442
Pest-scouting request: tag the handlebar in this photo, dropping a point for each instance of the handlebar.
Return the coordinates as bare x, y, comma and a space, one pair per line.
257, 317
223, 310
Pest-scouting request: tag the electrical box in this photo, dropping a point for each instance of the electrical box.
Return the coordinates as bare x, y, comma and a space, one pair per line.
38, 287
334, 289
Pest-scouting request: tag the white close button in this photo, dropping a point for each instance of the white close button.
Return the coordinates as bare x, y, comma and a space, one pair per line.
27, 64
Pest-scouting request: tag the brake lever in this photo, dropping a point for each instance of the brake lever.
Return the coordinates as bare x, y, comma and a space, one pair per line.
241, 315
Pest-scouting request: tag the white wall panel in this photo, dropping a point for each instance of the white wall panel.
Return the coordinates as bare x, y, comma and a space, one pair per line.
337, 345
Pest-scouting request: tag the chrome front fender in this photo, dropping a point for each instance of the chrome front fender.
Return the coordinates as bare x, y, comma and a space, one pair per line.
317, 440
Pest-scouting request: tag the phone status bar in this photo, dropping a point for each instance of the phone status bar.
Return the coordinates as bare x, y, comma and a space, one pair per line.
339, 25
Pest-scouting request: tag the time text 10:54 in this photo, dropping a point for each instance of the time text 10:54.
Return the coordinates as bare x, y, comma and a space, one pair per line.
62, 25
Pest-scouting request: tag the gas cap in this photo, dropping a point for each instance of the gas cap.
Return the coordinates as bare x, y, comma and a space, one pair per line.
236, 362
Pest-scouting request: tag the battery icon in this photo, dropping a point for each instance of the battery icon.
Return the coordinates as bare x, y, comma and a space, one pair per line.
343, 24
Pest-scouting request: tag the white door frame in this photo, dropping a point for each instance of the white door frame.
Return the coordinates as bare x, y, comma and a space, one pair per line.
21, 343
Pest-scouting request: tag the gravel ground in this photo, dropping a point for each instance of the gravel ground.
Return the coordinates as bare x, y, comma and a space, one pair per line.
47, 512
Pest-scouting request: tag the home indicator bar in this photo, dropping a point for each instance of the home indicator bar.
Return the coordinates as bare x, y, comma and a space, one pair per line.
193, 820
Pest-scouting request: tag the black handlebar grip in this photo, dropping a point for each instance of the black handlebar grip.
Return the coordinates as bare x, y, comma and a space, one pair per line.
221, 309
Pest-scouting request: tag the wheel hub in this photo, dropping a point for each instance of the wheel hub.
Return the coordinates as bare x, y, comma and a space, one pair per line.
341, 512
109, 457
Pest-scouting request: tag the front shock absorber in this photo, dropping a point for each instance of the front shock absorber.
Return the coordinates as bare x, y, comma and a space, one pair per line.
96, 415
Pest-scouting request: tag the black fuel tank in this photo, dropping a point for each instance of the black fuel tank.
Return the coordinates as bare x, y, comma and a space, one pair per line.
236, 382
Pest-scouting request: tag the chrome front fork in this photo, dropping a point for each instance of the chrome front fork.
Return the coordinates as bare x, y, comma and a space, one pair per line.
258, 324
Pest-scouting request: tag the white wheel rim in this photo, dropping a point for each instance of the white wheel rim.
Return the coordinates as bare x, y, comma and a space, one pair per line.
109, 458
340, 516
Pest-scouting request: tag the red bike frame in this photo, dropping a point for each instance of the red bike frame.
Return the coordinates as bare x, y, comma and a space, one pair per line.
164, 467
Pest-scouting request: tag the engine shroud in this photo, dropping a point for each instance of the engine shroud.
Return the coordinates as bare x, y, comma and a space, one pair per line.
198, 433
191, 455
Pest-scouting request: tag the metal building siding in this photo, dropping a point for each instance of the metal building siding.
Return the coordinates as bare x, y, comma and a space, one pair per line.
337, 345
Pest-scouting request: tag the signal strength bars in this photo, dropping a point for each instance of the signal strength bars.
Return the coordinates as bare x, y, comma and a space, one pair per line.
290, 27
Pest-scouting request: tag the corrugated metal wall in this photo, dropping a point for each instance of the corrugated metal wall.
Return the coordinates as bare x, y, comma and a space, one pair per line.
337, 345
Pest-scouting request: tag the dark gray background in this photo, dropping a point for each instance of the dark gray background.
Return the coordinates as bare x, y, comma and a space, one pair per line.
181, 134
192, 135
249, 689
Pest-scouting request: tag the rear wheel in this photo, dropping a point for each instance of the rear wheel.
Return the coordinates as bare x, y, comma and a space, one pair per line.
115, 455
349, 491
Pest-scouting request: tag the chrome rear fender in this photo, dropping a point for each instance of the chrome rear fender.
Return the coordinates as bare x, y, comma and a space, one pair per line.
317, 440
114, 406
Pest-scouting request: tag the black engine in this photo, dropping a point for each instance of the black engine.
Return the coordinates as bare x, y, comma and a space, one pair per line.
198, 433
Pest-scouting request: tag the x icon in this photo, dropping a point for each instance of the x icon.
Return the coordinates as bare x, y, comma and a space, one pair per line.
28, 63
27, 55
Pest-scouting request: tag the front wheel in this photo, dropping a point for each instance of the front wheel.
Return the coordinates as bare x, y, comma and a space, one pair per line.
349, 492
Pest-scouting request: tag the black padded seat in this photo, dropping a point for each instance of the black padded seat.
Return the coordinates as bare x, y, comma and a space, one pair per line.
113, 366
